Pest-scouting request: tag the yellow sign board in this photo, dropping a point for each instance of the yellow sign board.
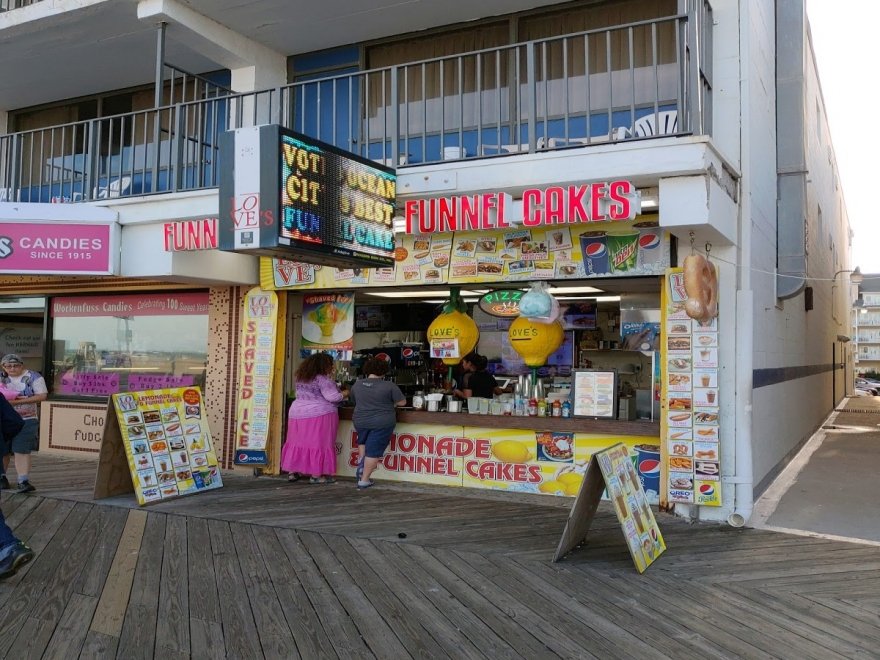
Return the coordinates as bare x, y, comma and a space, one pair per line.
612, 469
255, 375
516, 460
164, 438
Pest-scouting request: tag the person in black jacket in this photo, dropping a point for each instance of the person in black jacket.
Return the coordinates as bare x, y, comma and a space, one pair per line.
13, 553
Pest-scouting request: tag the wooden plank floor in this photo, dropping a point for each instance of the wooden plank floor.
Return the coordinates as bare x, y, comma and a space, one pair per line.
263, 568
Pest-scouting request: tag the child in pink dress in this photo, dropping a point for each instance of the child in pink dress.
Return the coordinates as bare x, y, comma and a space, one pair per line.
312, 422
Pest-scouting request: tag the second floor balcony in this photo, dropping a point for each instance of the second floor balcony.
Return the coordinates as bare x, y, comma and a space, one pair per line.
637, 81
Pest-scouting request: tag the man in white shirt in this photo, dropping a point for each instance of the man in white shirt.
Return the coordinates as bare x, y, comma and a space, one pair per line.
31, 388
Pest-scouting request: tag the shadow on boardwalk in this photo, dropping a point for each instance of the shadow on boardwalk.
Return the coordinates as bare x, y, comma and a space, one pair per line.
263, 568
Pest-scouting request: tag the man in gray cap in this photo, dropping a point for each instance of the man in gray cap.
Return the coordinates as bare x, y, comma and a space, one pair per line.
31, 389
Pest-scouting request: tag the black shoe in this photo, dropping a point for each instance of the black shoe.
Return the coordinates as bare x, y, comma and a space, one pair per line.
4, 483
25, 487
19, 557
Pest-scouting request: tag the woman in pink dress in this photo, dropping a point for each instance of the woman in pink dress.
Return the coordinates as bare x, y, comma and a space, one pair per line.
312, 422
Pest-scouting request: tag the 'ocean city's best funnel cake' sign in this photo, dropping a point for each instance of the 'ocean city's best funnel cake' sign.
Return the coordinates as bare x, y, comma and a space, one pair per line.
286, 195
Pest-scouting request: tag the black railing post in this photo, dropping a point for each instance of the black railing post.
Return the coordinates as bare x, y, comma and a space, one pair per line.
532, 100
178, 138
160, 64
92, 160
395, 120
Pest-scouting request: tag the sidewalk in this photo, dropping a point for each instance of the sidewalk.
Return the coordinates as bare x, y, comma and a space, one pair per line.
831, 487
263, 568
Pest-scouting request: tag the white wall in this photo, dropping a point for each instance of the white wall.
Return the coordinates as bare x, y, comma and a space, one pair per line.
785, 335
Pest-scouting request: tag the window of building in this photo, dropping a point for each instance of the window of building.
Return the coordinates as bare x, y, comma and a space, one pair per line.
107, 344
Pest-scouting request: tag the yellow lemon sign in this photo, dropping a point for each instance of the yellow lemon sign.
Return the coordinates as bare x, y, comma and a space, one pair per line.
534, 341
453, 323
511, 451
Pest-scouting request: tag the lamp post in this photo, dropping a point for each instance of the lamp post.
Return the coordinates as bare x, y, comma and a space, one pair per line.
855, 277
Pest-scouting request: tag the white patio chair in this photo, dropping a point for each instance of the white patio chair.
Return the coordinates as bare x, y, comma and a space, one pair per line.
116, 188
663, 123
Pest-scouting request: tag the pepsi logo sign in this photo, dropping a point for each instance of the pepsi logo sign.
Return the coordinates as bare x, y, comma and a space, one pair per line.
649, 241
383, 356
707, 490
649, 467
595, 250
242, 457
407, 352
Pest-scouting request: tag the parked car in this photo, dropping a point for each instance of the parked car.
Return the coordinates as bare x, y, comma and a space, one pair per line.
866, 385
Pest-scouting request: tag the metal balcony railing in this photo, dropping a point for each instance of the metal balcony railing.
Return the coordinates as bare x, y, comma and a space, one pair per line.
629, 82
9, 5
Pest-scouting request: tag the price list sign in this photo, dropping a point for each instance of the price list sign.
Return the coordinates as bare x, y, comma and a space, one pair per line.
691, 396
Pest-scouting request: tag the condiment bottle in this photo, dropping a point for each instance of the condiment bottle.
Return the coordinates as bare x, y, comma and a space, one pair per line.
557, 408
533, 407
566, 409
542, 408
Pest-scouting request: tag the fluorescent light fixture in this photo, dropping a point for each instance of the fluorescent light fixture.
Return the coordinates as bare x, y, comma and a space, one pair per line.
416, 294
574, 289
596, 298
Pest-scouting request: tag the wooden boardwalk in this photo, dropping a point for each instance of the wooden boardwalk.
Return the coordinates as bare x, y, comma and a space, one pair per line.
263, 568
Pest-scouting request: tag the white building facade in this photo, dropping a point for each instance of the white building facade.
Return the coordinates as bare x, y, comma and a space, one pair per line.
713, 110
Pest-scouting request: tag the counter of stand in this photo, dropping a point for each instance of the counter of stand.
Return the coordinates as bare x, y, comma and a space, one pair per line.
544, 455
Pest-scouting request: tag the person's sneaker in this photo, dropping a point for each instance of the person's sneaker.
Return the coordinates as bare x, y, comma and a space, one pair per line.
25, 487
4, 482
16, 559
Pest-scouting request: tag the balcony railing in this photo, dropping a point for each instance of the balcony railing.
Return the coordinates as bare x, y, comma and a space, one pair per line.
631, 82
9, 5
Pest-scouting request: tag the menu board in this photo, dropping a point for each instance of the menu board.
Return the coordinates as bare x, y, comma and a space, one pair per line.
572, 252
690, 425
167, 443
594, 393
625, 490
255, 373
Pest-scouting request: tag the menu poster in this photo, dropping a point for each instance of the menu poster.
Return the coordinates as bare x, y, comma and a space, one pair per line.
574, 251
690, 424
613, 469
328, 322
636, 518
594, 393
255, 372
444, 348
163, 438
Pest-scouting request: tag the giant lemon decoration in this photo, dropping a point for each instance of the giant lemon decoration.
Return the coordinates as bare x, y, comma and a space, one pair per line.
552, 487
454, 323
511, 451
535, 341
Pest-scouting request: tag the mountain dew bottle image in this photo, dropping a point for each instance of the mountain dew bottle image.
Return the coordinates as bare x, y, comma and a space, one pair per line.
623, 249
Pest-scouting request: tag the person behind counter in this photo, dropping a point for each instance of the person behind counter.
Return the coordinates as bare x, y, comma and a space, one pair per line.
374, 417
312, 422
477, 381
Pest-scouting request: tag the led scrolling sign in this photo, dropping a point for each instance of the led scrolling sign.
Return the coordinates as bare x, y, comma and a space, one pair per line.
287, 195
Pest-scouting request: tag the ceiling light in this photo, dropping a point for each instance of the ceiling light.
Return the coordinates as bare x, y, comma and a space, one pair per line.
574, 289
415, 294
596, 298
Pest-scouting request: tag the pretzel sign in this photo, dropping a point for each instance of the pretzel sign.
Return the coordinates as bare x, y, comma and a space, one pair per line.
701, 285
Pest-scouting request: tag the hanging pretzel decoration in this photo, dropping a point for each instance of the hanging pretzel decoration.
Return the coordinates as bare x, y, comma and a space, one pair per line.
701, 285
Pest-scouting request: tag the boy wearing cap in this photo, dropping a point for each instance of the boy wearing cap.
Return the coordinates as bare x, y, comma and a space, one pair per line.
31, 390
